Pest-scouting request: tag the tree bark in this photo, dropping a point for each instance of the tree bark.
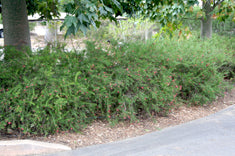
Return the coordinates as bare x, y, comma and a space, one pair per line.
206, 21
206, 27
15, 24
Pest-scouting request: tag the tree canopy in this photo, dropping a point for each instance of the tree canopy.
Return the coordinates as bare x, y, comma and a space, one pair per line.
82, 14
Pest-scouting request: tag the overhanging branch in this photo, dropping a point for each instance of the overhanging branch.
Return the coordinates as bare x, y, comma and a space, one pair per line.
191, 18
217, 3
43, 20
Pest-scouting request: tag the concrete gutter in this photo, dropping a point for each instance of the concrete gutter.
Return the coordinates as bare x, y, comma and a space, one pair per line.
29, 147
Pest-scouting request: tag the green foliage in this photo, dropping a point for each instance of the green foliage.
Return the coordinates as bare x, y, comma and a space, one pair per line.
39, 96
32, 26
126, 30
45, 8
82, 14
132, 29
53, 90
173, 31
226, 10
100, 34
0, 18
198, 71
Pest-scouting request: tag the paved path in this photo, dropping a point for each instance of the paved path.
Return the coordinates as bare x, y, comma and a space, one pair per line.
210, 136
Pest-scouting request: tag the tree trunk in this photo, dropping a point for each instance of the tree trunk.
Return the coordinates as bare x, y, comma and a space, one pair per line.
15, 24
206, 22
206, 27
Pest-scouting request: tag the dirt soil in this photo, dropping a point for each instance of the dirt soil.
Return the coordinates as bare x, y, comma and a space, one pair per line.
100, 132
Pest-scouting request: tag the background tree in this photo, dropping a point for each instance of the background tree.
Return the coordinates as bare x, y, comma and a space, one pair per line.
208, 8
85, 13
169, 12
173, 11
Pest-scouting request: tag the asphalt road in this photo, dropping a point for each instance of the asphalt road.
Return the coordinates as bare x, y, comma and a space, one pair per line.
210, 136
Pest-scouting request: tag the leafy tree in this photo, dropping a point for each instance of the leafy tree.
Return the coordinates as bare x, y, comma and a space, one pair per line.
172, 11
15, 20
209, 11
81, 14
85, 13
168, 12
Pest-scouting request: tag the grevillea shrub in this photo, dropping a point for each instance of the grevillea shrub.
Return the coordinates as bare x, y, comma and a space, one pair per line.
197, 66
53, 90
39, 95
